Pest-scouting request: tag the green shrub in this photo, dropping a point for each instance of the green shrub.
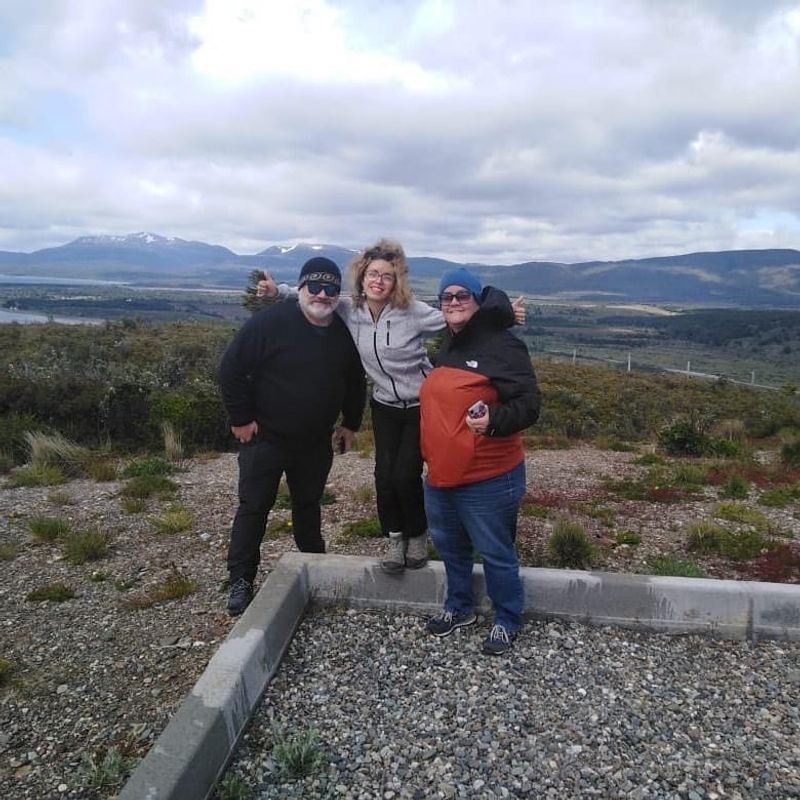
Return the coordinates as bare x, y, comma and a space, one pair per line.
739, 512
569, 545
53, 592
674, 567
6, 462
59, 497
149, 465
233, 787
102, 470
145, 486
297, 754
685, 436
174, 587
85, 545
6, 671
134, 505
174, 519
779, 497
8, 551
790, 454
737, 487
55, 450
650, 460
362, 529
36, 475
278, 527
328, 498
47, 529
705, 536
628, 537
13, 428
688, 476
103, 770
745, 545
534, 510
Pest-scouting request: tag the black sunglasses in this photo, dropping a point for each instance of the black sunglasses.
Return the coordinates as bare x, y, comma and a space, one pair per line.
461, 296
315, 287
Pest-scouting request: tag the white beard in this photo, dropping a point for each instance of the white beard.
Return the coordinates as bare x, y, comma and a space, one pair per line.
319, 312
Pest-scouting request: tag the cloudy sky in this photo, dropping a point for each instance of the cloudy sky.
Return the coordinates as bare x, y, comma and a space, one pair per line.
489, 130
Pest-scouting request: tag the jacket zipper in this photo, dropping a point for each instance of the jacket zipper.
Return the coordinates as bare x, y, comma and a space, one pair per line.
380, 364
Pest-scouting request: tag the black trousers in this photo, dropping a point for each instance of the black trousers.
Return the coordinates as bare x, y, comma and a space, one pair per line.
398, 470
261, 465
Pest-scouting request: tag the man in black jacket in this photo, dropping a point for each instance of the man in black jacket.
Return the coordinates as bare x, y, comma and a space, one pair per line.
285, 378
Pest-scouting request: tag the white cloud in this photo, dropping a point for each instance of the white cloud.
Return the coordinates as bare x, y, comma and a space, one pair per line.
495, 130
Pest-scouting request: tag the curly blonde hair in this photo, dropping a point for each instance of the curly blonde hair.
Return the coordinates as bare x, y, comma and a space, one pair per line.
386, 250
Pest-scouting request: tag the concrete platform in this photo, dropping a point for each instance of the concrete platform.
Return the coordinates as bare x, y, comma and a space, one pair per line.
199, 740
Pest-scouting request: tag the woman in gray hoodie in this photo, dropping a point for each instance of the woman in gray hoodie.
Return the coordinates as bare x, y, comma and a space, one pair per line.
389, 328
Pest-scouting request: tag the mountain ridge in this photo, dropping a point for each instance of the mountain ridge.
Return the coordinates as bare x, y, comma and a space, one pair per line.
769, 277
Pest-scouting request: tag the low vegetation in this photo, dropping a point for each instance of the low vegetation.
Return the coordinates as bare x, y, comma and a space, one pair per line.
52, 592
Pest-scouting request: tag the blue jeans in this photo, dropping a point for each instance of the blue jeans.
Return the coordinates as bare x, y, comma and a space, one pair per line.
480, 516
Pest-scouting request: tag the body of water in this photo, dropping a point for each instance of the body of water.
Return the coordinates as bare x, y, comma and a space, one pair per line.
26, 317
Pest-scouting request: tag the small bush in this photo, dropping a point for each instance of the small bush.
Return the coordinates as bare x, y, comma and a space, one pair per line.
297, 754
684, 437
739, 512
173, 447
780, 497
59, 497
569, 545
102, 470
47, 529
362, 529
650, 460
278, 528
534, 510
53, 592
737, 487
144, 486
149, 465
328, 498
688, 476
6, 462
54, 450
8, 551
85, 545
174, 519
233, 787
779, 565
283, 500
790, 454
6, 671
704, 536
36, 475
174, 587
364, 493
133, 505
745, 545
103, 770
674, 567
628, 537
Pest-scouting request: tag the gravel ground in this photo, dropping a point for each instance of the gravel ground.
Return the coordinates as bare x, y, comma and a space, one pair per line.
93, 673
573, 712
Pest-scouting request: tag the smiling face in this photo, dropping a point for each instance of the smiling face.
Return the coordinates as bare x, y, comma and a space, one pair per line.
318, 308
457, 312
379, 280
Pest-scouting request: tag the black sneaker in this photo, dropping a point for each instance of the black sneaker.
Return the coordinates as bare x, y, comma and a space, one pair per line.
239, 597
448, 621
499, 641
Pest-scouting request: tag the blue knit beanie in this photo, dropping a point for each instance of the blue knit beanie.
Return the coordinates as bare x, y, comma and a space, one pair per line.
462, 277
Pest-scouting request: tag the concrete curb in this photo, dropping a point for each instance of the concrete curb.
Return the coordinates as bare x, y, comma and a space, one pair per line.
196, 745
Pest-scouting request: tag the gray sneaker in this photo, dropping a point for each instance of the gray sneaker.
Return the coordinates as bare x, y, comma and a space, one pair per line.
446, 622
417, 552
499, 641
395, 560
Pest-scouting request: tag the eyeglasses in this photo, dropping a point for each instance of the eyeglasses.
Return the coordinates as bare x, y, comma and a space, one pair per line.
383, 277
461, 296
315, 287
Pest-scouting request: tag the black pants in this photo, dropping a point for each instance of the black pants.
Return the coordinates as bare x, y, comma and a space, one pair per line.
261, 465
398, 470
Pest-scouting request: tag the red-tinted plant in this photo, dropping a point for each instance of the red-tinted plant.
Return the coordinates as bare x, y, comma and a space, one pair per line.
779, 565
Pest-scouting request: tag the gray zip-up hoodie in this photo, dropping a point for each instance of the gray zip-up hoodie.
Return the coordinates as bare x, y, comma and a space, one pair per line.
392, 348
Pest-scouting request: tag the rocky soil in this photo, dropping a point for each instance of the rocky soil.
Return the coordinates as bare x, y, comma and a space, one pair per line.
95, 672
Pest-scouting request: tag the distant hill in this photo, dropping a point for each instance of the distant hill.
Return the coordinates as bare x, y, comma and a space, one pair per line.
768, 278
